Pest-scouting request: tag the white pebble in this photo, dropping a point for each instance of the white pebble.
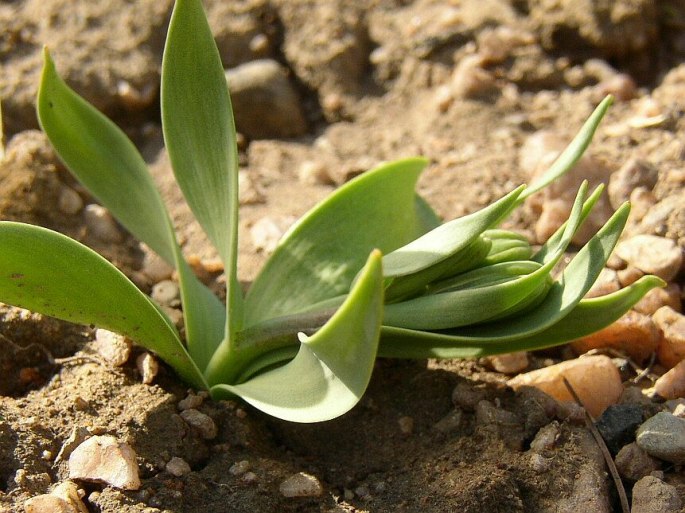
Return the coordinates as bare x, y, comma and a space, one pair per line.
652, 255
154, 267
69, 201
301, 485
177, 467
148, 367
203, 423
508, 363
104, 459
314, 173
239, 468
114, 348
101, 223
594, 378
267, 232
166, 292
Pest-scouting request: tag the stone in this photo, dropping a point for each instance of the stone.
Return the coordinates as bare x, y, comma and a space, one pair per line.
618, 424
48, 503
546, 438
634, 173
652, 495
301, 485
634, 463
265, 104
177, 467
154, 267
672, 384
663, 436
148, 367
450, 423
606, 283
267, 232
467, 395
77, 436
671, 349
166, 292
315, 173
508, 363
69, 492
634, 333
104, 459
594, 378
115, 349
658, 297
249, 190
101, 224
201, 422
69, 202
406, 425
191, 401
239, 468
652, 255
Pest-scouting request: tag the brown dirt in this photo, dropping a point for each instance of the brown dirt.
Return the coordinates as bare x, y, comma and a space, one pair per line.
377, 81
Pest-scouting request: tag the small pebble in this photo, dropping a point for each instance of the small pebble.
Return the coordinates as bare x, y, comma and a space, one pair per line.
166, 292
69, 492
249, 478
663, 436
249, 191
488, 413
539, 463
406, 425
69, 201
267, 232
672, 384
618, 424
101, 223
546, 438
652, 255
508, 363
450, 422
48, 503
467, 396
203, 423
314, 173
191, 401
652, 495
656, 298
77, 436
594, 378
104, 459
154, 267
239, 468
301, 485
633, 334
177, 467
115, 349
633, 463
606, 283
148, 367
634, 173
671, 350
629, 275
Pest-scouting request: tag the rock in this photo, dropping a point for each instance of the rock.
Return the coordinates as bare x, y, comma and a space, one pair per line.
652, 255
594, 378
406, 425
201, 422
265, 104
546, 438
148, 367
471, 80
552, 205
633, 463
249, 191
634, 333
69, 202
467, 396
589, 494
606, 283
634, 173
191, 401
449, 423
166, 292
69, 492
301, 485
656, 298
618, 424
101, 224
314, 173
508, 363
104, 459
115, 349
239, 468
154, 267
672, 384
48, 503
177, 467
77, 436
267, 232
652, 495
671, 349
663, 436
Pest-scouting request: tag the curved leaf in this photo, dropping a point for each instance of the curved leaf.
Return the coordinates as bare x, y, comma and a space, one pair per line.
47, 272
332, 368
107, 163
321, 254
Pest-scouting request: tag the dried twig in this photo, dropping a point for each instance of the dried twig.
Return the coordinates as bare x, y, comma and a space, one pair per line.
590, 423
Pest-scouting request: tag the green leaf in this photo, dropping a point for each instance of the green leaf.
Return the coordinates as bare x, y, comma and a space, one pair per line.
332, 368
46, 272
573, 151
107, 163
197, 120
320, 256
587, 317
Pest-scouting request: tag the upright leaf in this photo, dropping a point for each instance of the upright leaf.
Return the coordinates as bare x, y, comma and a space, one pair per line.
46, 272
332, 368
197, 120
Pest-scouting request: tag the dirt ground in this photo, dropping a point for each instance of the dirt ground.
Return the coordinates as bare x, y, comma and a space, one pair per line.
464, 83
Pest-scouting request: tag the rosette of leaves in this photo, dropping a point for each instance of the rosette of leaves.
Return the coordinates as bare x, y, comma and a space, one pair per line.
369, 272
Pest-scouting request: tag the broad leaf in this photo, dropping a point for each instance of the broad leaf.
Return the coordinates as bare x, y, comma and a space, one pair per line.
320, 256
589, 316
47, 272
107, 163
332, 368
197, 120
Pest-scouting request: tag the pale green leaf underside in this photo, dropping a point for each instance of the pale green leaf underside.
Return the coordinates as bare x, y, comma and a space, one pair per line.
320, 256
50, 273
332, 368
107, 163
587, 317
